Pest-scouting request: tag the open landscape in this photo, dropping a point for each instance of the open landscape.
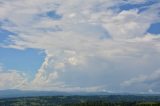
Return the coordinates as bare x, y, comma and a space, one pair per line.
51, 98
79, 52
109, 100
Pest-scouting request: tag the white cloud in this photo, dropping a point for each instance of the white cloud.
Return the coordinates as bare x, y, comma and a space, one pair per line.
11, 79
92, 45
128, 24
148, 83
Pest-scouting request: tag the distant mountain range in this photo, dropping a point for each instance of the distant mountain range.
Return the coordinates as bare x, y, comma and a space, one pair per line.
12, 93
28, 93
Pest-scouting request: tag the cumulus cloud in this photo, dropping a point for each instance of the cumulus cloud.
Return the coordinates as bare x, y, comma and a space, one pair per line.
12, 79
92, 46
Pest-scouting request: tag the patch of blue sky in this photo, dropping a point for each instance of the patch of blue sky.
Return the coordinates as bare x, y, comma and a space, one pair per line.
54, 15
140, 6
154, 28
27, 61
4, 35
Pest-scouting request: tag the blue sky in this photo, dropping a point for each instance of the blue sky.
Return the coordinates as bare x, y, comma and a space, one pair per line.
27, 61
141, 6
80, 45
154, 28
4, 35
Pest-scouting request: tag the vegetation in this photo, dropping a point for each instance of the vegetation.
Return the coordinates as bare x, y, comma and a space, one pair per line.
112, 100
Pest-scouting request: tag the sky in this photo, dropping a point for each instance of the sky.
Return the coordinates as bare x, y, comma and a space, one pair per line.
80, 45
